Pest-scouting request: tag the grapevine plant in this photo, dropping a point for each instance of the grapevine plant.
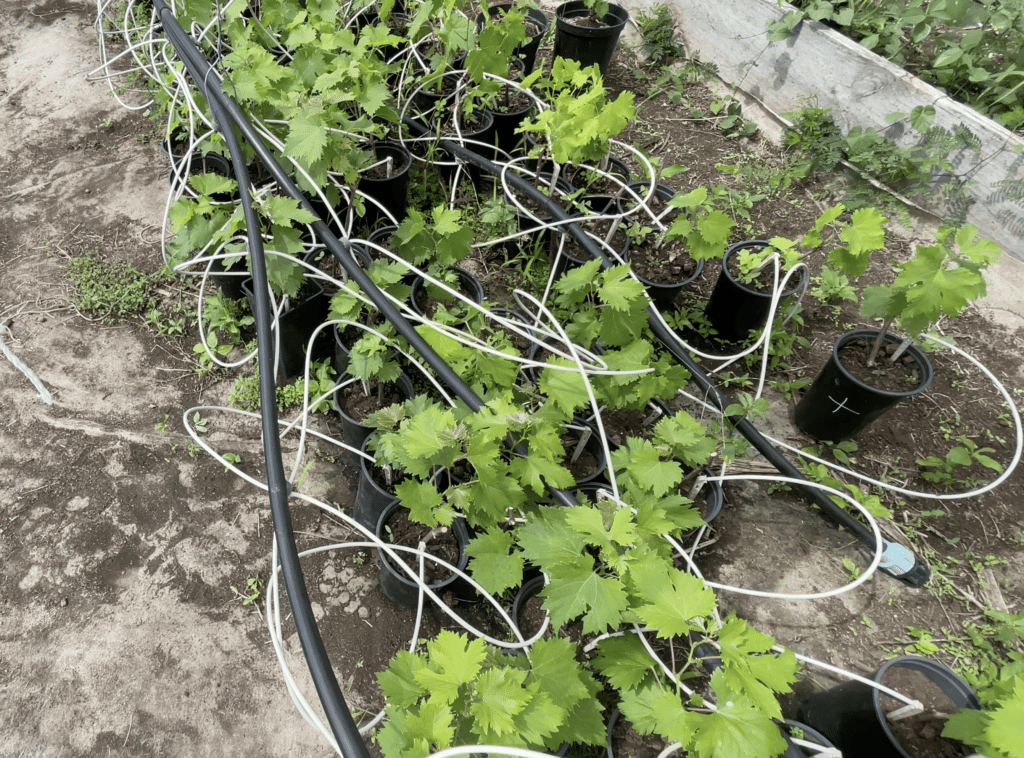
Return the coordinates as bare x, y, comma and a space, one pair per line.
324, 83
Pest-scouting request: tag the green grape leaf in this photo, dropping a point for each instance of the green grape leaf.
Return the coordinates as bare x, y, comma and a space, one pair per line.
493, 562
735, 728
499, 697
576, 589
654, 710
424, 503
307, 136
398, 680
624, 661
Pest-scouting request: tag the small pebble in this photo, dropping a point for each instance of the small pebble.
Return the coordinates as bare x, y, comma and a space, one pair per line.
344, 597
364, 612
928, 732
325, 588
64, 603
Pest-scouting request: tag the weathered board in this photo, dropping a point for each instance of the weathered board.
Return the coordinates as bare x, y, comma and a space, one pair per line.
860, 88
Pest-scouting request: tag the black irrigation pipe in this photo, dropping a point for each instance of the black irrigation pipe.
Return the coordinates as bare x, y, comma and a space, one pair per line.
229, 116
339, 717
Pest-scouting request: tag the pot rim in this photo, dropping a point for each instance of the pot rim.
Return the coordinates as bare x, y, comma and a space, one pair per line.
942, 676
459, 531
618, 13
924, 364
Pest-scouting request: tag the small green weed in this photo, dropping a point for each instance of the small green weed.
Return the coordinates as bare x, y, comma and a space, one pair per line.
254, 586
111, 291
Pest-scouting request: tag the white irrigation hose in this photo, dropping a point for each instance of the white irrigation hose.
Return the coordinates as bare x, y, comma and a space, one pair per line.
44, 394
858, 678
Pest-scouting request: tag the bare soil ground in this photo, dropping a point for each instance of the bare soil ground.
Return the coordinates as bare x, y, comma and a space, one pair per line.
120, 634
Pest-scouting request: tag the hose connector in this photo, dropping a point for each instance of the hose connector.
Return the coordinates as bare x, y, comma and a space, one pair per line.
899, 563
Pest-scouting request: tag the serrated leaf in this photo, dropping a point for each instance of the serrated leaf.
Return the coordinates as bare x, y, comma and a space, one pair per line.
423, 501
576, 589
624, 661
619, 290
654, 710
307, 137
566, 389
492, 561
499, 697
649, 471
453, 661
676, 600
398, 680
735, 728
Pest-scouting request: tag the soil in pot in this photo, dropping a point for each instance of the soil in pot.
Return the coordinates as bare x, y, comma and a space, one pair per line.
441, 544
668, 265
921, 735
589, 21
884, 375
625, 742
585, 465
357, 404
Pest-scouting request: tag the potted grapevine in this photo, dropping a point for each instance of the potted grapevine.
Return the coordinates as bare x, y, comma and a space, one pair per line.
941, 279
742, 297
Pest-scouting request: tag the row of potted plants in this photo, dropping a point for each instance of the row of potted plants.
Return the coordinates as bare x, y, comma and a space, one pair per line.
605, 559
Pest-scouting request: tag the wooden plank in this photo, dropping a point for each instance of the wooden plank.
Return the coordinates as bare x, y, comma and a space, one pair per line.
861, 88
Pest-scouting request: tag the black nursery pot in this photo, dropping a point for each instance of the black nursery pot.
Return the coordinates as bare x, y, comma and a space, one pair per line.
838, 405
851, 717
229, 284
585, 44
197, 163
734, 309
469, 285
664, 294
353, 431
296, 326
392, 192
395, 582
371, 499
810, 735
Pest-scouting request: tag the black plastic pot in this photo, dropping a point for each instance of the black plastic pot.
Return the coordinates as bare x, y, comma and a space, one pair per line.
353, 431
594, 203
371, 499
628, 205
571, 256
392, 192
505, 124
197, 163
851, 717
427, 104
527, 51
296, 326
585, 44
469, 285
593, 447
664, 294
477, 139
810, 735
838, 405
229, 284
395, 582
529, 590
734, 309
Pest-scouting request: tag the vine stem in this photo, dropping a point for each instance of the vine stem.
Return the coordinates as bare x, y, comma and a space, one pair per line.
878, 342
